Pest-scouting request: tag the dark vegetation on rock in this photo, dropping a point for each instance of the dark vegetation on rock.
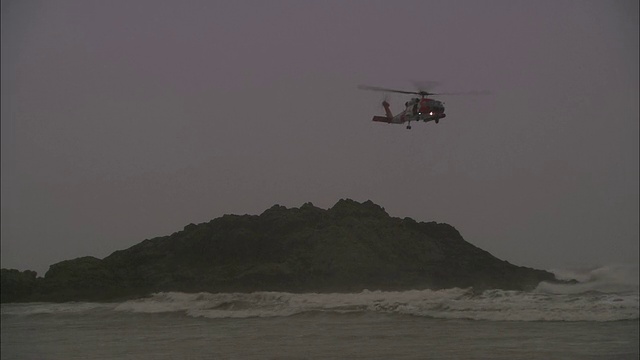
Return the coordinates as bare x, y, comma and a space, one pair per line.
351, 247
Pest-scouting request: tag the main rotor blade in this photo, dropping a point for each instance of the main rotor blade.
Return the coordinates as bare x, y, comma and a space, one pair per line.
422, 92
376, 88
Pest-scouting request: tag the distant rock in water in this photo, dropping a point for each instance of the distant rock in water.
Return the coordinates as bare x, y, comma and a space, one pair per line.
348, 248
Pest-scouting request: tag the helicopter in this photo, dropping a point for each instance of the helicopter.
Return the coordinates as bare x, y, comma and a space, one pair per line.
416, 109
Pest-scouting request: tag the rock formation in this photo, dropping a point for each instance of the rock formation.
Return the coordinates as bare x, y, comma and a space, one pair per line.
347, 248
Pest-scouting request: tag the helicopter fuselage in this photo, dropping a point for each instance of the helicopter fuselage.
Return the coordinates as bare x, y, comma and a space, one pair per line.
416, 109
423, 109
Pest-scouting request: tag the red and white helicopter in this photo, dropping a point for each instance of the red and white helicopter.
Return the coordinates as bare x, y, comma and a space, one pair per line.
416, 109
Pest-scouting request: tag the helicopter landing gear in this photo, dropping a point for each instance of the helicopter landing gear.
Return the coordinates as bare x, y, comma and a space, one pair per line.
437, 121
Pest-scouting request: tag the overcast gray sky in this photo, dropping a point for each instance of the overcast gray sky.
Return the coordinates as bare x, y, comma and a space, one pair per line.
127, 120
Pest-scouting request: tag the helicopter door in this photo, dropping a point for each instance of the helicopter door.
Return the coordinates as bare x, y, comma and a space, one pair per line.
412, 107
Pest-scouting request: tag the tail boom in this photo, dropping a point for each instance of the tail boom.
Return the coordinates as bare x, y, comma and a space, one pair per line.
383, 119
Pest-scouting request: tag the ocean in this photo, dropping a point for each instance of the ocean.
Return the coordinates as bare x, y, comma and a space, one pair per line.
595, 319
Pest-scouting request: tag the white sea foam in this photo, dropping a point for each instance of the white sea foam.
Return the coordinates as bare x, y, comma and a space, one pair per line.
494, 305
603, 294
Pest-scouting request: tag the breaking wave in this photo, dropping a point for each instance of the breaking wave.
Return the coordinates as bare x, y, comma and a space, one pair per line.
493, 305
602, 294
623, 279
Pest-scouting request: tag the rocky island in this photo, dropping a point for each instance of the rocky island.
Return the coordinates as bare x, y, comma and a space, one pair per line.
348, 248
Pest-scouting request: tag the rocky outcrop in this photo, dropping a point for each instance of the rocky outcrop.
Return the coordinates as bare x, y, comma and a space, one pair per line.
349, 247
16, 285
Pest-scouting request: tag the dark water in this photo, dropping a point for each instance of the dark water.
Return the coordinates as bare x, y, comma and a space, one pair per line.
103, 335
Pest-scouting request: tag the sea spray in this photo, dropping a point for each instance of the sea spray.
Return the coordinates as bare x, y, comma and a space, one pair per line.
617, 278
